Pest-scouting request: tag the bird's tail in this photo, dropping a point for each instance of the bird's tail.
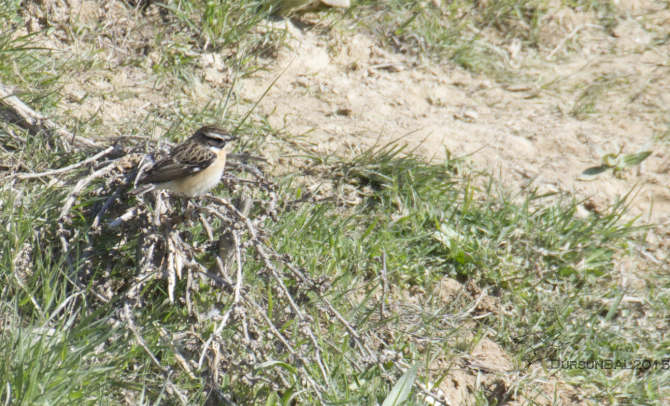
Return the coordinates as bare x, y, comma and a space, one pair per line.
141, 189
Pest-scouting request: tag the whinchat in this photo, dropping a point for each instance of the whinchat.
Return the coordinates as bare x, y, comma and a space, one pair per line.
193, 167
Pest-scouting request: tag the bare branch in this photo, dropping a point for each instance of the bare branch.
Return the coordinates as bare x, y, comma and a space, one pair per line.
13, 110
67, 168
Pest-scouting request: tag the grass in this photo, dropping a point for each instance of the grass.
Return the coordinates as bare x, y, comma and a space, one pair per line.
410, 226
594, 93
549, 270
24, 64
473, 34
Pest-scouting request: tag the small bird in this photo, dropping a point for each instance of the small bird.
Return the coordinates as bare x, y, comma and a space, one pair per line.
193, 167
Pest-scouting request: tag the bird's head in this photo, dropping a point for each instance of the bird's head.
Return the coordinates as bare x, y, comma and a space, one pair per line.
213, 136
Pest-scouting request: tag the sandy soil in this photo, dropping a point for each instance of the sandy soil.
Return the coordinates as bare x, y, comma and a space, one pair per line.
521, 131
344, 91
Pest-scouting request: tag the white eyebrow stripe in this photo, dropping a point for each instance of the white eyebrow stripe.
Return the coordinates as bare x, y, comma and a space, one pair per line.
215, 135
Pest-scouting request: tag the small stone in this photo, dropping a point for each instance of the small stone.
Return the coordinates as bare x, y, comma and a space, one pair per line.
519, 88
467, 115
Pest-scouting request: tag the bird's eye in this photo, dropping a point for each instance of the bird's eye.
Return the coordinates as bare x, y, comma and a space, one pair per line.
216, 142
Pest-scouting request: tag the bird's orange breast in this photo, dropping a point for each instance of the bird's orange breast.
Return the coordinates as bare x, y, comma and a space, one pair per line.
203, 181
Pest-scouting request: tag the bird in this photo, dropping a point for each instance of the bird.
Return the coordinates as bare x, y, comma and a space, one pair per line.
193, 167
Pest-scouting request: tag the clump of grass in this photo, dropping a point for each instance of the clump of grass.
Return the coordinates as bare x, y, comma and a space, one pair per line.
552, 271
589, 98
23, 64
218, 26
472, 34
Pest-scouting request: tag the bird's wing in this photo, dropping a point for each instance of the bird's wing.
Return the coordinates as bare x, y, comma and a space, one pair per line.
184, 161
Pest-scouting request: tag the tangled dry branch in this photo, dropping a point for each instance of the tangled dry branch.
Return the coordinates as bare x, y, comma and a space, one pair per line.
269, 338
251, 314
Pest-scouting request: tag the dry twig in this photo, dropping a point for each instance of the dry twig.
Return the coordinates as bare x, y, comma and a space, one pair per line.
67, 168
13, 110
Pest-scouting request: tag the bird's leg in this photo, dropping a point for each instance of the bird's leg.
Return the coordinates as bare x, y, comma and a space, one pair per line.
189, 208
